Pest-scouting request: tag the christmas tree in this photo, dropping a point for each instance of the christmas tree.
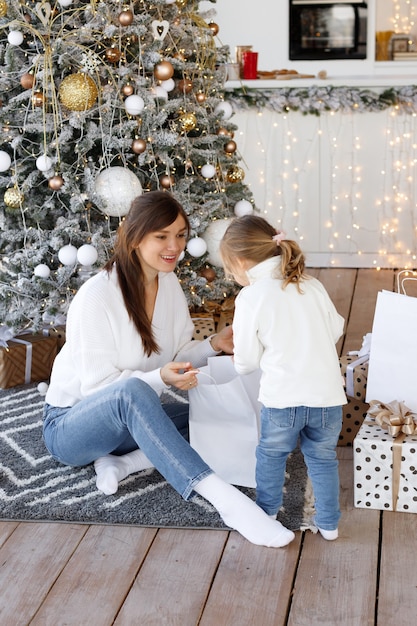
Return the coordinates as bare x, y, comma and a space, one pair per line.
100, 102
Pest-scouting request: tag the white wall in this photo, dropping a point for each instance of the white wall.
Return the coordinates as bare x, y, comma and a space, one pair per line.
264, 25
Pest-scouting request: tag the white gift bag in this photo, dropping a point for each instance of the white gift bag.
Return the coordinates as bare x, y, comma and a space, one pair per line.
392, 370
224, 420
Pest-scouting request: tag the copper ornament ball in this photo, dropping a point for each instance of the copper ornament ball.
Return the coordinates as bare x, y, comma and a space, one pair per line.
185, 85
230, 147
208, 273
224, 132
163, 70
127, 89
113, 54
55, 182
200, 97
37, 98
138, 146
214, 28
166, 181
126, 17
27, 80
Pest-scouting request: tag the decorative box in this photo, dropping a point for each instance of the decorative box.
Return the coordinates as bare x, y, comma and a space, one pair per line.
354, 412
385, 469
58, 332
204, 326
355, 371
26, 359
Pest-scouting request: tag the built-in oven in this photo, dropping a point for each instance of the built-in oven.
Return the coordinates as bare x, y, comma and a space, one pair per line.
328, 29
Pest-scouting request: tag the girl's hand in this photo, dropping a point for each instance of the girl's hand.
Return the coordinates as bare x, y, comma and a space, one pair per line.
180, 375
223, 341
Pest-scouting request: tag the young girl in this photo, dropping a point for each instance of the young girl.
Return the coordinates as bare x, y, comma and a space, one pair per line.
286, 325
129, 337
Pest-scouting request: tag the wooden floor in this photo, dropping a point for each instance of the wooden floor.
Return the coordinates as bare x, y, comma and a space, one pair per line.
62, 574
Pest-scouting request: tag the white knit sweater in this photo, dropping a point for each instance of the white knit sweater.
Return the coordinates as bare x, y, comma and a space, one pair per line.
102, 345
291, 337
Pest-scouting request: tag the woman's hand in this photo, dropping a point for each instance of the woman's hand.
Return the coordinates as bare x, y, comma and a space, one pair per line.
223, 341
180, 375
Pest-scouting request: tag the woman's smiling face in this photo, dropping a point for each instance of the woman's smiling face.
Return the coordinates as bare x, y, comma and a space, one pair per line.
160, 250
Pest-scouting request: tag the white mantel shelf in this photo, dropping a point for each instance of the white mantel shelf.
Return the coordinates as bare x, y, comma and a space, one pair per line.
343, 81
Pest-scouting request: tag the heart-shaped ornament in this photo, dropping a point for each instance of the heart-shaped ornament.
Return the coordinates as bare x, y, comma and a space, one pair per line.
160, 29
43, 11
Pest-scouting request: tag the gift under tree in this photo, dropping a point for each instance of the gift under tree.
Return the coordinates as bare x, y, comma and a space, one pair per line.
101, 102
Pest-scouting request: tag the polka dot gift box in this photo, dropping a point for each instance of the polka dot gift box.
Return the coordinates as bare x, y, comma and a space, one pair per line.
385, 467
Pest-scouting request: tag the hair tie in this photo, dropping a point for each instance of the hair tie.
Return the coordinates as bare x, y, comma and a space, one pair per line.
280, 236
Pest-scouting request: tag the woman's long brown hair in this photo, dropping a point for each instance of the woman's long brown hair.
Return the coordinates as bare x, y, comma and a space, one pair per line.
151, 212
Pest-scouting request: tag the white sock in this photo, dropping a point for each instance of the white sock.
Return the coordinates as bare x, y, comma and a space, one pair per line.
111, 469
241, 513
329, 535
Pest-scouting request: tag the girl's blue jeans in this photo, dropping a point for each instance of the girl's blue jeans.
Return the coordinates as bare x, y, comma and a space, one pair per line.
318, 430
120, 418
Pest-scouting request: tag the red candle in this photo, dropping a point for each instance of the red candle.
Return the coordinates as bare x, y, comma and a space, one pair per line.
250, 65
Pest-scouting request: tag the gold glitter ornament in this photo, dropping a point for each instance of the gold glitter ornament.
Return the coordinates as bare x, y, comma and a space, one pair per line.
3, 8
78, 92
181, 3
235, 174
188, 121
13, 198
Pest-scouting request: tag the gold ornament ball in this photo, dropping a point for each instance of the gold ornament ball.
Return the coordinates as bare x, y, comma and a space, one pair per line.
3, 8
163, 70
235, 174
181, 3
185, 85
214, 28
27, 81
113, 54
208, 273
13, 198
200, 97
188, 121
55, 182
126, 17
78, 92
230, 147
127, 89
138, 146
37, 98
166, 181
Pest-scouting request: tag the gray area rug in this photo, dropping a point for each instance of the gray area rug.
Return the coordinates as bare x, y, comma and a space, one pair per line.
34, 487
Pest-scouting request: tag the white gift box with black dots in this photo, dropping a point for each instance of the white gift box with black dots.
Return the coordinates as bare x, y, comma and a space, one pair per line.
385, 469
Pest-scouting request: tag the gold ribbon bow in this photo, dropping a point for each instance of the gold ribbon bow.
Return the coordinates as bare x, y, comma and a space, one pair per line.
399, 421
394, 416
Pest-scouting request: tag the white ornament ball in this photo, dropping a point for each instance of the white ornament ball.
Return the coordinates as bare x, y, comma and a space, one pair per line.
182, 255
65, 3
243, 207
43, 163
160, 92
168, 85
15, 38
224, 108
87, 254
115, 189
5, 161
42, 271
134, 104
196, 246
170, 1
208, 171
68, 254
43, 388
213, 236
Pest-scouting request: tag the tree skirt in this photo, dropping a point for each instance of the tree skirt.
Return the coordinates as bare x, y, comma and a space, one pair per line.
35, 487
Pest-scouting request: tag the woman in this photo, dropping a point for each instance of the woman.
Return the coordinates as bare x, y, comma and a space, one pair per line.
129, 337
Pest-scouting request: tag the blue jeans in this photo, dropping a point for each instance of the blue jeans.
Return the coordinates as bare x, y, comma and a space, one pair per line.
120, 418
318, 430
